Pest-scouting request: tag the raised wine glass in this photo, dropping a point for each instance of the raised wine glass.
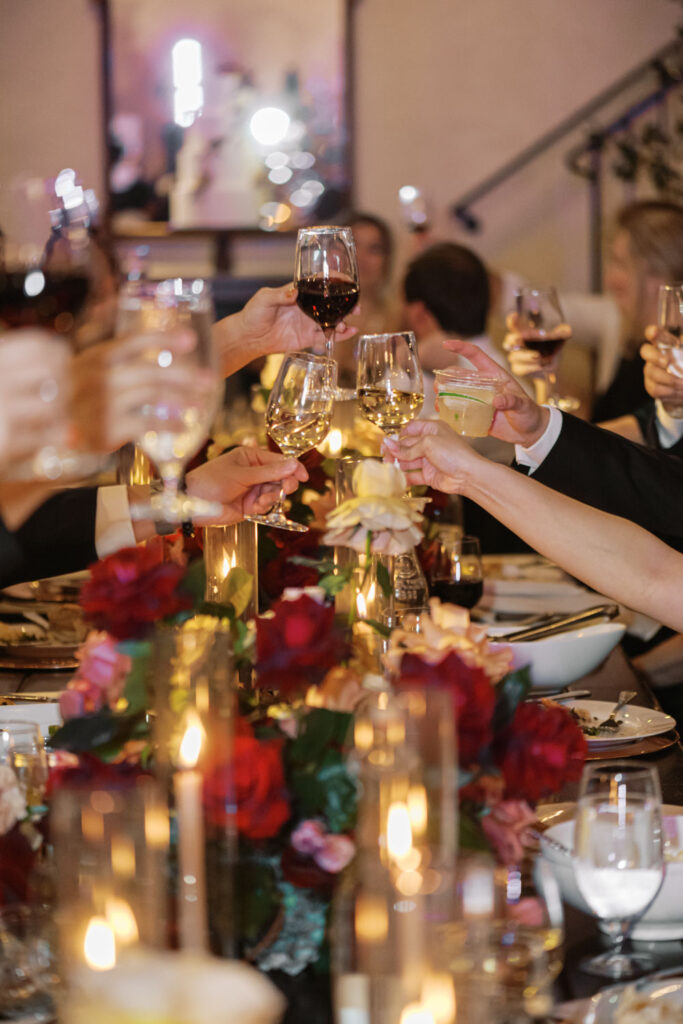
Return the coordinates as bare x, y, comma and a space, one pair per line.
326, 276
46, 280
619, 855
670, 341
298, 417
172, 320
390, 386
543, 329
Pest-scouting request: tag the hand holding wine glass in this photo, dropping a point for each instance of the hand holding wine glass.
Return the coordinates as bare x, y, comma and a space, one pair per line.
326, 276
538, 326
172, 324
390, 385
298, 417
669, 341
619, 855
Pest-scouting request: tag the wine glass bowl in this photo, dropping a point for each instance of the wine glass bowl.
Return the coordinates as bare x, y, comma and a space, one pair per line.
172, 322
298, 417
326, 277
456, 574
389, 379
619, 855
543, 329
669, 342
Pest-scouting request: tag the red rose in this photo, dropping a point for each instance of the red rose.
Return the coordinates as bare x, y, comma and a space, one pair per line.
280, 572
474, 697
259, 788
297, 646
539, 751
130, 590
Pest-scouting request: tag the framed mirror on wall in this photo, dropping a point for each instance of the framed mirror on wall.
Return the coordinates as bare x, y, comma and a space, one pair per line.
227, 116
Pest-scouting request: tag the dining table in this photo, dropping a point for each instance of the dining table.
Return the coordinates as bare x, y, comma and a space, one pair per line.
582, 936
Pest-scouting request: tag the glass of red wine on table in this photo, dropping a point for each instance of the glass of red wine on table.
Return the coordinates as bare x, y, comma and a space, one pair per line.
456, 575
543, 329
47, 281
326, 276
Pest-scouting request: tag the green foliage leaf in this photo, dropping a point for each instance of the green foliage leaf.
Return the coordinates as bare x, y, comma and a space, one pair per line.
99, 730
511, 690
320, 729
384, 579
194, 582
317, 775
239, 587
258, 900
379, 627
470, 834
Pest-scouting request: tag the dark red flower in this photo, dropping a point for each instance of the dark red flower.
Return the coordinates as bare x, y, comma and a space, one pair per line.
91, 771
132, 589
297, 646
540, 750
474, 697
257, 781
281, 572
302, 871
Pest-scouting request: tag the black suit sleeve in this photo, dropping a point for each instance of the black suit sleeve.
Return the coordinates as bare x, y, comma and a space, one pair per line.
59, 537
606, 471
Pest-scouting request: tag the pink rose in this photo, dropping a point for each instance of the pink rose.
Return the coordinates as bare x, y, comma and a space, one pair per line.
71, 704
506, 826
308, 837
100, 677
335, 854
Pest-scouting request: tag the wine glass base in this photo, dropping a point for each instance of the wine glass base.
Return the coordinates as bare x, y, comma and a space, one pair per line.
279, 521
180, 509
618, 965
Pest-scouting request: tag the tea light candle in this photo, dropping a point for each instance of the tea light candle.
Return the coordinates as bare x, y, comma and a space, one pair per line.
189, 813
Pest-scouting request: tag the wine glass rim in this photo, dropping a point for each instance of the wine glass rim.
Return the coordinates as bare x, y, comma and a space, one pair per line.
325, 229
408, 335
470, 376
308, 357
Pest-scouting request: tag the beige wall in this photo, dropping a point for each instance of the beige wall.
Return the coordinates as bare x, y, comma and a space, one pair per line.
446, 90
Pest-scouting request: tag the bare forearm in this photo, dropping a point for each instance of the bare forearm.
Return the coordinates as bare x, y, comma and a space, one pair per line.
231, 349
610, 554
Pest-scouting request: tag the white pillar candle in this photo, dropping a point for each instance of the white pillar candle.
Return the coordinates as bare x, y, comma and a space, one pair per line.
192, 927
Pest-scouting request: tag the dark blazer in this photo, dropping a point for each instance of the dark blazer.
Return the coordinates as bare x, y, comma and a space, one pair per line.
617, 476
59, 537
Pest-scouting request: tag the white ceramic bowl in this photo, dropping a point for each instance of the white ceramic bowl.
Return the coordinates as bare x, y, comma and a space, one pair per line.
663, 920
556, 661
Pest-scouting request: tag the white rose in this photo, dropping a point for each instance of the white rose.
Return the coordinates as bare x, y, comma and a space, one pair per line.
375, 479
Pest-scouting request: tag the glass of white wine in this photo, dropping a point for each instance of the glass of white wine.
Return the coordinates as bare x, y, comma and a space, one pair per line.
298, 416
619, 855
23, 749
172, 322
390, 385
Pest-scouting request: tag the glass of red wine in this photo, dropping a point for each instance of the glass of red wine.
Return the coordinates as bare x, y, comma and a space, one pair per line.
326, 276
543, 329
45, 282
670, 340
456, 576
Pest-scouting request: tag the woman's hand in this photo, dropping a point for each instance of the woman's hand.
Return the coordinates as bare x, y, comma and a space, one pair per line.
517, 419
270, 322
430, 453
245, 481
662, 374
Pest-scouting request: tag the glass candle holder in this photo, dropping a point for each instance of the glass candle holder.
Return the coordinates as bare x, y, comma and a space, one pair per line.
228, 548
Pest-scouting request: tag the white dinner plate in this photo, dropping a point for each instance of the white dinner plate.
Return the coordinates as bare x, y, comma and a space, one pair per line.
603, 1006
637, 723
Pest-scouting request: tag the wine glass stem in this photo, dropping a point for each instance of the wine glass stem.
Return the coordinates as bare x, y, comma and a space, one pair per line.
171, 476
329, 342
278, 507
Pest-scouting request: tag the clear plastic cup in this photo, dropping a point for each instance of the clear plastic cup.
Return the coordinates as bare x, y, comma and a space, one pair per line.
465, 400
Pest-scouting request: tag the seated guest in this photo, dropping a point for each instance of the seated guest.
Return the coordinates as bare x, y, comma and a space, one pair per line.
646, 252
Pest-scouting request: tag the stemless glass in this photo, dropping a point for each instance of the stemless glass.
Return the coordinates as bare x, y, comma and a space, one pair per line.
298, 416
619, 855
326, 276
178, 417
457, 576
390, 385
541, 323
23, 749
670, 320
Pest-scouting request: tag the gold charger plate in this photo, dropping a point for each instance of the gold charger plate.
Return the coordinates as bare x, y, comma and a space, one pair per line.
38, 656
649, 745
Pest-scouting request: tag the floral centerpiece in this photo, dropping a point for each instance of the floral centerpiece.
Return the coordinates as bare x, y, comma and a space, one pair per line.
294, 792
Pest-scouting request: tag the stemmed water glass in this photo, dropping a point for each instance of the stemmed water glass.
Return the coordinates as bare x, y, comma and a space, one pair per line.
543, 329
298, 416
619, 855
390, 385
172, 322
326, 276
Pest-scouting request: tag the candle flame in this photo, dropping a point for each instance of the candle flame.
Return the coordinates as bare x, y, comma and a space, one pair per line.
191, 743
438, 997
361, 607
228, 563
399, 831
335, 442
416, 1013
99, 947
122, 921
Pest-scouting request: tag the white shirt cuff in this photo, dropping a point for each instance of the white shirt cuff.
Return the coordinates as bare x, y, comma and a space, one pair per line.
113, 524
669, 429
534, 455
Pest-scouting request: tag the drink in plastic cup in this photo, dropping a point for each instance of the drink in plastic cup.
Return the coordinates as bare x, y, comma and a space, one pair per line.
466, 400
